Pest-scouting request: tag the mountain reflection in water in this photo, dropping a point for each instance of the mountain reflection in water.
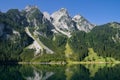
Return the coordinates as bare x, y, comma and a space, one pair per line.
60, 72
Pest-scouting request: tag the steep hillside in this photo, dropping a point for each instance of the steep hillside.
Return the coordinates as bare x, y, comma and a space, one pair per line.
13, 38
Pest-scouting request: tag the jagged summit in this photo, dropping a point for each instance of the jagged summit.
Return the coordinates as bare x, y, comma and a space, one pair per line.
59, 13
77, 17
34, 15
82, 24
64, 10
30, 7
63, 22
60, 19
47, 16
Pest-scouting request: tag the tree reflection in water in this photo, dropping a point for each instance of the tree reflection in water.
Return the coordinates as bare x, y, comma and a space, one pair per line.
60, 72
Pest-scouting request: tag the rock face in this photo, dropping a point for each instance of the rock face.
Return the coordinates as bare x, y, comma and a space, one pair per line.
47, 16
63, 22
82, 24
33, 15
60, 21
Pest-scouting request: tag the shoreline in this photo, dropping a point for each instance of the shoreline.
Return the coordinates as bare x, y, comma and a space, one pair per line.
70, 62
93, 62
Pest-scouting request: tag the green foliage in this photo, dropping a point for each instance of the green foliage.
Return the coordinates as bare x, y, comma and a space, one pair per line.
92, 56
14, 19
57, 45
26, 70
103, 43
27, 55
108, 73
10, 50
49, 58
78, 44
48, 42
10, 72
60, 40
45, 30
36, 14
68, 51
100, 39
11, 45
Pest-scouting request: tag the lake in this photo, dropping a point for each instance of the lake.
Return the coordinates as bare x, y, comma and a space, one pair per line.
60, 72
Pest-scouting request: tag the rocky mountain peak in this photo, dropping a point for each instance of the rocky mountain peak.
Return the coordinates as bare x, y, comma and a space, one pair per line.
30, 7
82, 24
34, 15
64, 10
47, 16
63, 22
58, 14
77, 17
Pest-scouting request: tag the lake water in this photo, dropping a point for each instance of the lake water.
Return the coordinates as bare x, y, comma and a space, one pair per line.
60, 72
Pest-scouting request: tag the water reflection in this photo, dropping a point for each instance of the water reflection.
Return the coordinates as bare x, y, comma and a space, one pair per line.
39, 75
94, 68
60, 72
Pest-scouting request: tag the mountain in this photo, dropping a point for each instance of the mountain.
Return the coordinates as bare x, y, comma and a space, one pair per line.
65, 24
32, 35
39, 25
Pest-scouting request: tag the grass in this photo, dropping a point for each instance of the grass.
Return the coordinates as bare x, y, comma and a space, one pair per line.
92, 56
68, 50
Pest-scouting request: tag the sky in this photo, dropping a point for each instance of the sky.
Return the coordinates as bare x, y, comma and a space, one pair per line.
95, 11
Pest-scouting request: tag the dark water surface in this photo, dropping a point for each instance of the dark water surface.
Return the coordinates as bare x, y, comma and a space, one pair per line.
60, 72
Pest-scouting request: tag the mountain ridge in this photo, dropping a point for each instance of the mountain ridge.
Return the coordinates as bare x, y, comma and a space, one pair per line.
46, 37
